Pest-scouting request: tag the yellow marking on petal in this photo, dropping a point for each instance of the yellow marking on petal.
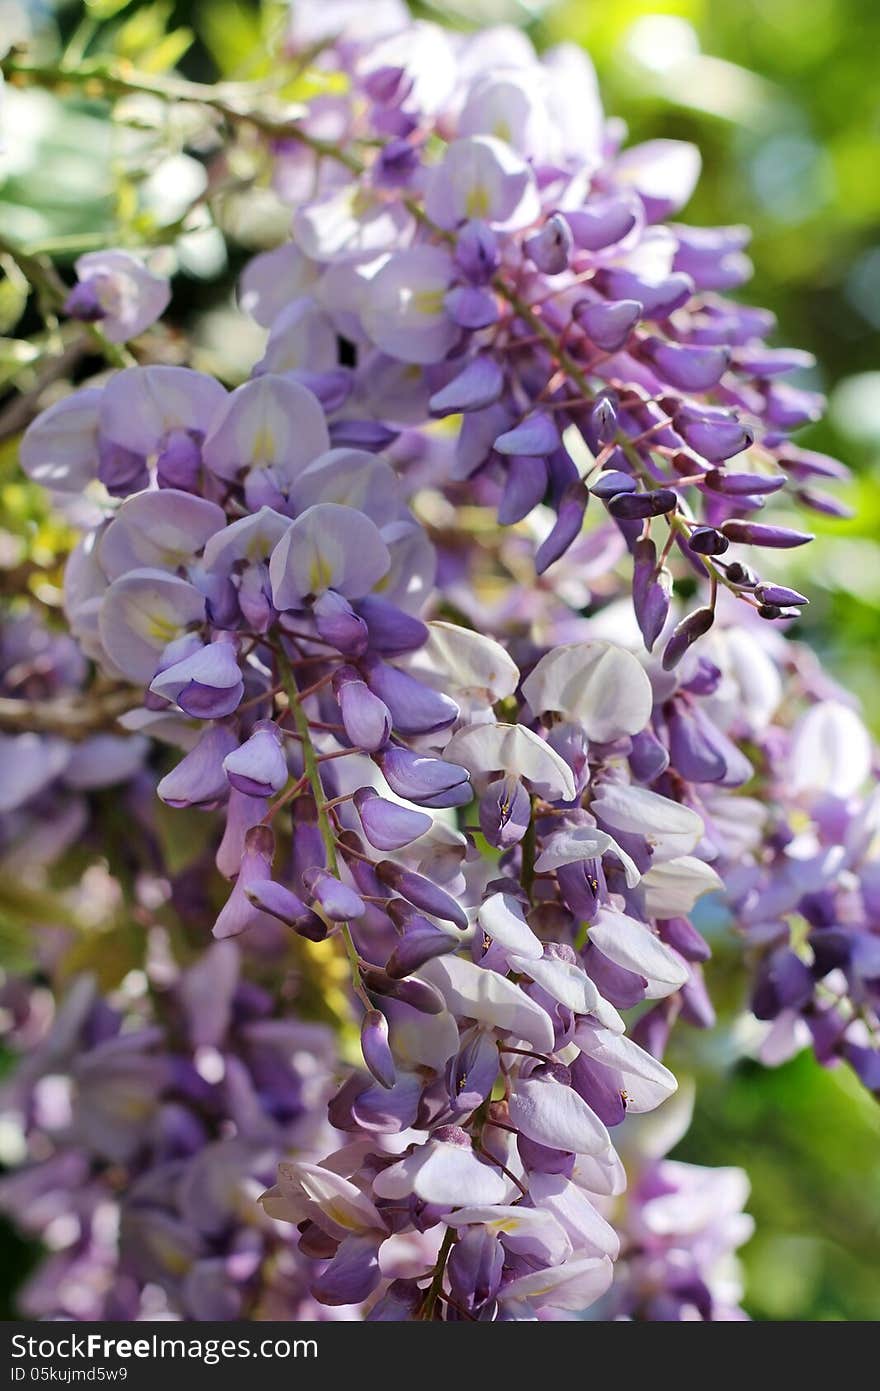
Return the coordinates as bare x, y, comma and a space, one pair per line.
264, 449
428, 302
478, 202
502, 131
320, 573
159, 628
341, 1215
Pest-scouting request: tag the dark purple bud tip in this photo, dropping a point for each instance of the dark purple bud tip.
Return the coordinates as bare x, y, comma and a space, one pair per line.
779, 595
422, 942
741, 575
83, 303
550, 248
744, 484
630, 507
338, 901
612, 482
418, 994
705, 540
685, 634
376, 1049
760, 534
769, 611
422, 893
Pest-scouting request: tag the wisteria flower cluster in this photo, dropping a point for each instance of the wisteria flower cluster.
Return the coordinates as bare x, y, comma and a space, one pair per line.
407, 606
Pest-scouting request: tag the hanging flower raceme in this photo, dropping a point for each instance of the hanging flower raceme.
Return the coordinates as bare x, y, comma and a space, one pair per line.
509, 824
489, 251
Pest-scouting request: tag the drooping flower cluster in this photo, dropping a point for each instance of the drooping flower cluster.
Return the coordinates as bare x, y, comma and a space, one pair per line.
148, 1124
507, 821
502, 241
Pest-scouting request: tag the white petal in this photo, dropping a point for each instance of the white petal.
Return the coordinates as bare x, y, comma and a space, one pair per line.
634, 946
489, 998
501, 917
673, 888
595, 684
556, 1115
573, 1285
513, 749
669, 828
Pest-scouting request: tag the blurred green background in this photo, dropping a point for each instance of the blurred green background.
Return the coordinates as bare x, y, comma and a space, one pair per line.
783, 98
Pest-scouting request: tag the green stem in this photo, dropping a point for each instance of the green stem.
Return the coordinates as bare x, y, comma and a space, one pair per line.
427, 1309
313, 776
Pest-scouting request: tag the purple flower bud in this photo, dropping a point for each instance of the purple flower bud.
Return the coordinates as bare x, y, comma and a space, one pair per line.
683, 937
471, 307
760, 534
238, 913
601, 423
480, 384
807, 463
122, 471
685, 634
601, 223
783, 982
376, 1049
206, 685
370, 435
308, 845
422, 942
422, 893
475, 1267
714, 435
259, 767
740, 575
744, 484
684, 366
537, 435
418, 994
179, 462
476, 252
388, 826
391, 631
550, 248
825, 504
789, 407
648, 758
366, 718
199, 778
431, 782
651, 592
332, 387
83, 303
525, 484
414, 707
505, 812
353, 1273
705, 540
608, 325
658, 301
611, 482
396, 165
338, 901
777, 594
635, 506
273, 898
567, 527
338, 624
